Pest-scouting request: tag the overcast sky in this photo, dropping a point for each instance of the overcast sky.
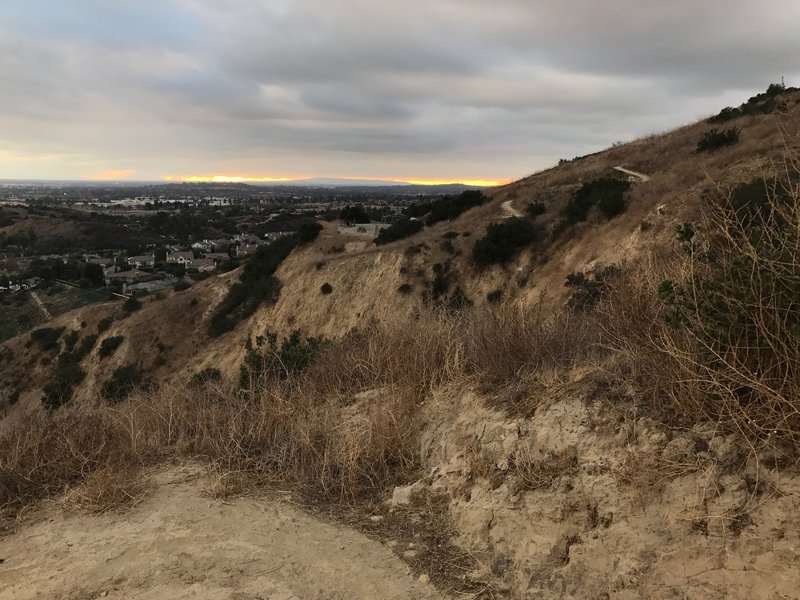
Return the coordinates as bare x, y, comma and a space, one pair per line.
402, 89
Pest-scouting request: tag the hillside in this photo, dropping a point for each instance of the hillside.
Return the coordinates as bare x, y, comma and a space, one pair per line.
557, 441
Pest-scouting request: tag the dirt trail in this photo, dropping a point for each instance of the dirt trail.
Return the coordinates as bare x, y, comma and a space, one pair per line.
41, 306
509, 211
640, 176
180, 543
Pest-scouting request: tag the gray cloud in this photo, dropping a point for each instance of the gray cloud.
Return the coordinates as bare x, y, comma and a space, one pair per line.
419, 88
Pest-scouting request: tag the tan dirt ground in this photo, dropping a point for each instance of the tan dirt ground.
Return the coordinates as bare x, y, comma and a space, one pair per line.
181, 543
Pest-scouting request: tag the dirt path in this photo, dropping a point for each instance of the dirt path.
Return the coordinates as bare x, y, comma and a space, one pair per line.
180, 543
41, 305
509, 211
640, 176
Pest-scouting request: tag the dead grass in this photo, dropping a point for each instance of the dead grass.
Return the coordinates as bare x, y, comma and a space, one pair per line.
533, 472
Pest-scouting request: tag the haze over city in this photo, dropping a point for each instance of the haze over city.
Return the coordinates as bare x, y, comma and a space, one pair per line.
419, 91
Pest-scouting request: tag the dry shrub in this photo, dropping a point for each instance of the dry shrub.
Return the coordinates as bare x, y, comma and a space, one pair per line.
724, 342
647, 471
50, 453
506, 341
533, 471
111, 488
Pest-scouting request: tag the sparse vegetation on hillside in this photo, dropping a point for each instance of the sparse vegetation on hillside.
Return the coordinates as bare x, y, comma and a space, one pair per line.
760, 104
257, 283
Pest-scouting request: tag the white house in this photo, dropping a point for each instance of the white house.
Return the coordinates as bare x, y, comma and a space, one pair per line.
179, 258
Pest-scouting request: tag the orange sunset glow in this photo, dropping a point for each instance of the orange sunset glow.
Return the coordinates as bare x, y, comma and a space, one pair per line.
263, 179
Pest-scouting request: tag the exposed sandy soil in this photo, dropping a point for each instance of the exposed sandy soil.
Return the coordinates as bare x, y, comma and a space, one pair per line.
181, 543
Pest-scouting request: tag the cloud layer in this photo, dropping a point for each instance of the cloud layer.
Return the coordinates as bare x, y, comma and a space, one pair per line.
440, 89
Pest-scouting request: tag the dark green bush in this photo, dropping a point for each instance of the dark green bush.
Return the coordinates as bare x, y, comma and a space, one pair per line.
610, 206
104, 324
405, 289
326, 288
109, 345
132, 304
47, 337
85, 347
122, 382
715, 139
447, 208
67, 374
267, 359
503, 240
398, 231
70, 339
535, 209
182, 285
607, 191
354, 214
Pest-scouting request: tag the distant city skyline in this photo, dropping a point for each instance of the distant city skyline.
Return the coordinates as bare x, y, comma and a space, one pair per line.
419, 91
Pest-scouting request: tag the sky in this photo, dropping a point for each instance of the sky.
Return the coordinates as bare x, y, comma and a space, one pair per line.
413, 90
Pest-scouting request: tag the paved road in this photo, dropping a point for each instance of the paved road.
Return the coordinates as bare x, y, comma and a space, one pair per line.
640, 176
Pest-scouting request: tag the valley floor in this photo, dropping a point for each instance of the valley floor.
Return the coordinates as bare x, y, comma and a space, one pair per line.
182, 543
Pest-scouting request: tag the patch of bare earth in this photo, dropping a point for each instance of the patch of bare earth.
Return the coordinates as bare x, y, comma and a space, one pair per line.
180, 542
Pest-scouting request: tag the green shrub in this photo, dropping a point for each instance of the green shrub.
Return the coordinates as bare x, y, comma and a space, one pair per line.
122, 382
405, 289
447, 208
534, 209
85, 347
47, 337
67, 374
607, 191
109, 345
398, 231
182, 285
104, 324
612, 205
70, 339
268, 360
326, 288
132, 304
503, 240
715, 139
